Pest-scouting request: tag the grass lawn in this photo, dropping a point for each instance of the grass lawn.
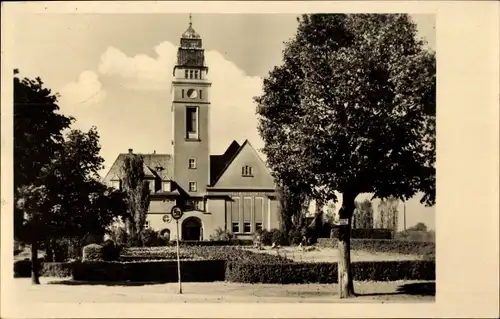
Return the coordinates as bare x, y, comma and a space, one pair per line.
331, 254
56, 290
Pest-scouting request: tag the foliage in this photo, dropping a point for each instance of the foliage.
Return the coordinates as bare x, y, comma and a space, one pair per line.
301, 273
199, 252
416, 235
404, 247
352, 108
147, 271
118, 234
388, 213
266, 237
366, 233
138, 192
150, 238
418, 227
57, 269
110, 251
293, 204
22, 268
363, 215
38, 132
221, 235
92, 252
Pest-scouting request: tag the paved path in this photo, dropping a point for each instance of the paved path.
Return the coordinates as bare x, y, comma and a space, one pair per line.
59, 290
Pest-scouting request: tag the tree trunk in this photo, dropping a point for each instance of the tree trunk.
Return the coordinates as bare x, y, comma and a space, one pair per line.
346, 286
34, 263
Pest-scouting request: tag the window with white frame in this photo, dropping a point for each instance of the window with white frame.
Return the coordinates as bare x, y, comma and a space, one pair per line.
146, 224
246, 170
192, 163
247, 228
235, 227
192, 186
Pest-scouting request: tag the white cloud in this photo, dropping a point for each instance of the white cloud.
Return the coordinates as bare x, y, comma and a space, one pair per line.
87, 90
232, 109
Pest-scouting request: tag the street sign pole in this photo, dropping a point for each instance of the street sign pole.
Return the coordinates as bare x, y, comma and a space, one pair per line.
177, 213
178, 258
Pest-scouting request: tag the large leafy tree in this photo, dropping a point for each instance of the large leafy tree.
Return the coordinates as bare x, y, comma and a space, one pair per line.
38, 134
137, 192
57, 192
352, 109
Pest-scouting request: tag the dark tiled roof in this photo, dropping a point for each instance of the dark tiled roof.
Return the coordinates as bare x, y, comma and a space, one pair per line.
219, 162
162, 165
152, 162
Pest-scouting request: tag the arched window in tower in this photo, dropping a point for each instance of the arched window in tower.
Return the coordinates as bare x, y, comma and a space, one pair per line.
190, 74
196, 74
186, 73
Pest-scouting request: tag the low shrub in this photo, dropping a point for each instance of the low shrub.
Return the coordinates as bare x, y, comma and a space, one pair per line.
365, 233
152, 238
278, 237
299, 273
221, 235
110, 251
22, 269
385, 246
266, 237
204, 252
158, 271
57, 269
415, 235
92, 252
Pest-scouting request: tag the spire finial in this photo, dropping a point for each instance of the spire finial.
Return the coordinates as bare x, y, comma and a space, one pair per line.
190, 20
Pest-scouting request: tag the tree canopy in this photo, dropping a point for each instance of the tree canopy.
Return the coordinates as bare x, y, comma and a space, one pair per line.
352, 108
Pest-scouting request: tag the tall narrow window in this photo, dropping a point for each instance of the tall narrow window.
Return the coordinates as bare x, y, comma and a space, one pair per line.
196, 74
190, 74
201, 94
191, 122
192, 186
186, 73
183, 93
192, 163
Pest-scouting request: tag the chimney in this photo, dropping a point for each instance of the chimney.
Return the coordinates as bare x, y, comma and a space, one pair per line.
130, 151
154, 152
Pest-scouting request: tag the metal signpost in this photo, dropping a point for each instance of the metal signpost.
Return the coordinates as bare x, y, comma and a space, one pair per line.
176, 214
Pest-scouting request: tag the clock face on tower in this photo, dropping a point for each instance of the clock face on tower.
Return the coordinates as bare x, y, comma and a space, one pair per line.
191, 93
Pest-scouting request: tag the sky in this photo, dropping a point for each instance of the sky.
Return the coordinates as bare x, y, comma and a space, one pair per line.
113, 71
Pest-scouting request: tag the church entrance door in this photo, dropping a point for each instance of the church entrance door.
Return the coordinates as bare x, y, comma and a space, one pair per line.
192, 229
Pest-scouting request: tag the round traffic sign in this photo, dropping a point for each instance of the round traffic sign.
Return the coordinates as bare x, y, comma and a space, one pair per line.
176, 212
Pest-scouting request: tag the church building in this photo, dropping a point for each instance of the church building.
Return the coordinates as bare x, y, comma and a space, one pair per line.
233, 191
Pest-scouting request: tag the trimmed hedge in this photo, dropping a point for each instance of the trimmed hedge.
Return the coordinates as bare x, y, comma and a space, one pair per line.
158, 271
299, 273
57, 269
203, 252
365, 233
22, 269
92, 252
385, 246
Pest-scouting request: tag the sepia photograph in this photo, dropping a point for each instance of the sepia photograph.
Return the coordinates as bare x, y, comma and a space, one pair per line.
192, 157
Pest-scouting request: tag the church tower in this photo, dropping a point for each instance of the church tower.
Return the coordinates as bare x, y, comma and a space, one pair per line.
190, 115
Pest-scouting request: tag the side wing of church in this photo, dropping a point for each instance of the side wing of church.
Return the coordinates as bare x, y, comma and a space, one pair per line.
233, 191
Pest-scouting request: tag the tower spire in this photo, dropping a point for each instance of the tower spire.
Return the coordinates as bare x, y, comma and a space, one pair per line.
190, 20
